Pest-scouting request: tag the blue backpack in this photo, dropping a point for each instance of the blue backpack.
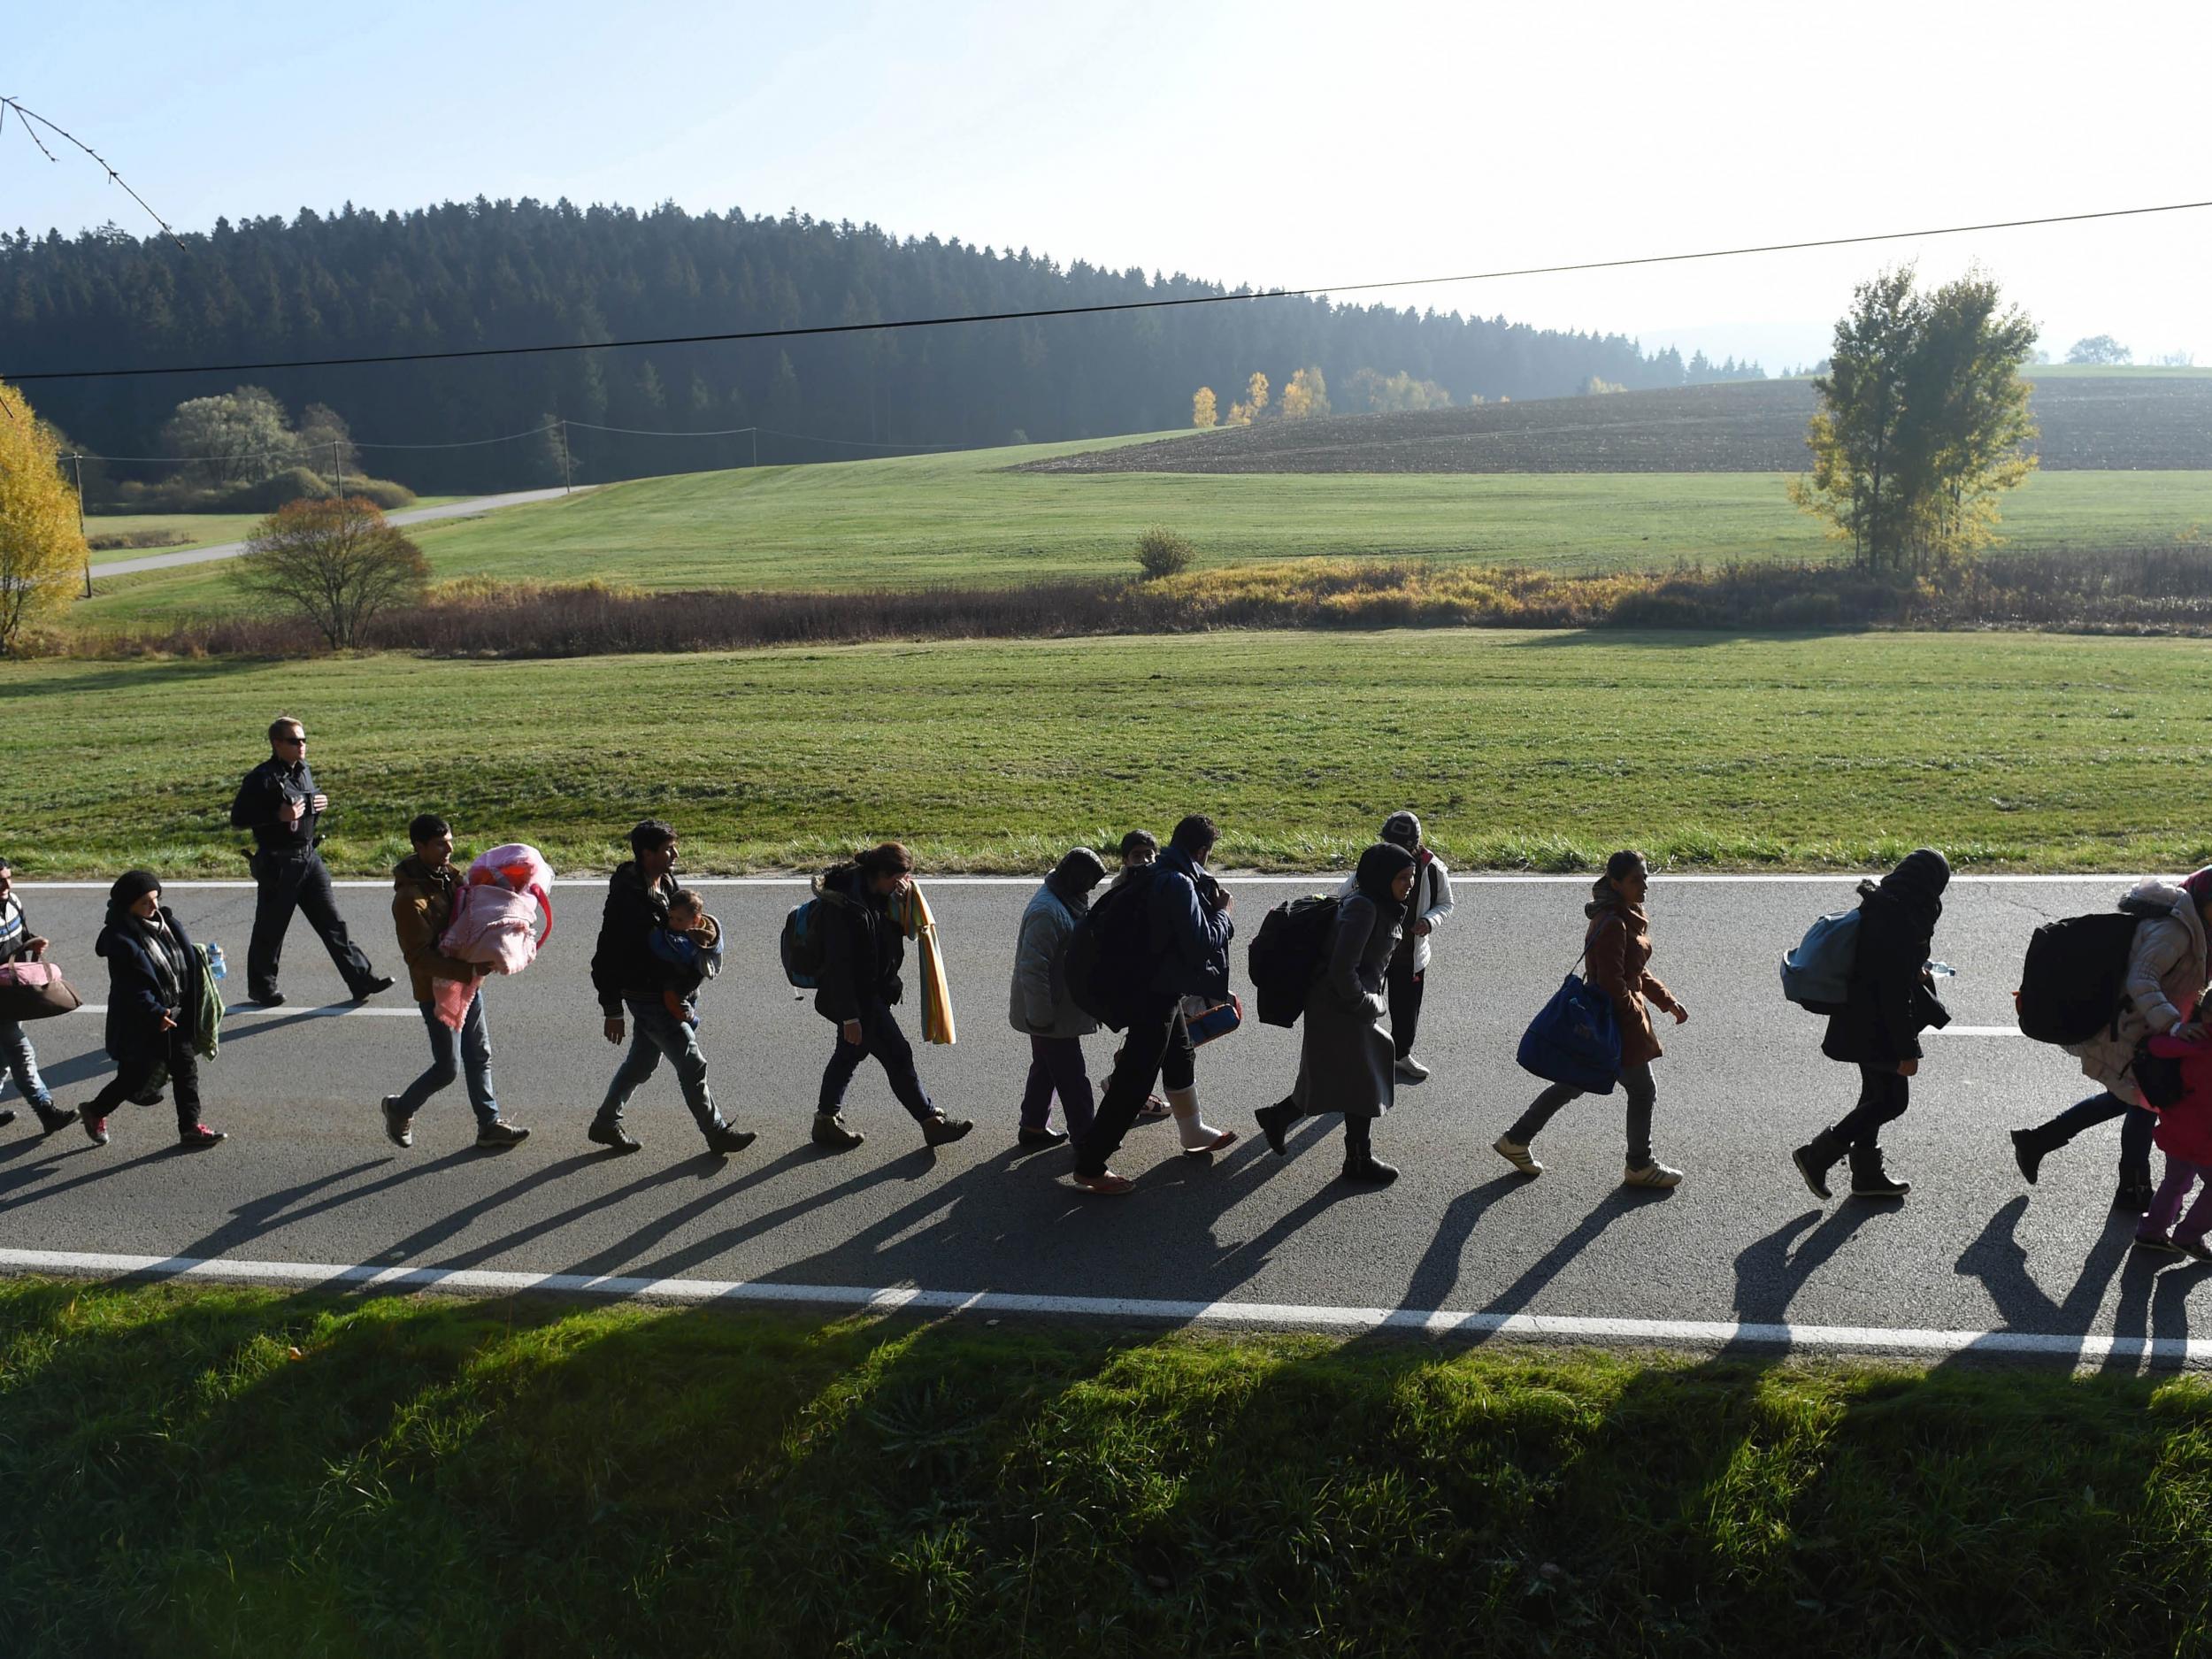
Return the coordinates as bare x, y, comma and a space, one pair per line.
1817, 976
804, 948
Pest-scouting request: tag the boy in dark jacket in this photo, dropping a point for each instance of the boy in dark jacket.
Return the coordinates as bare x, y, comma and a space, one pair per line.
1891, 1002
864, 950
626, 975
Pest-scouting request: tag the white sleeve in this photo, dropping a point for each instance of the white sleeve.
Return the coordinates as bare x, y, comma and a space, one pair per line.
1443, 906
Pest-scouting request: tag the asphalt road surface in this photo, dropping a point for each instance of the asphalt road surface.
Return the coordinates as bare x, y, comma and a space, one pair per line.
308, 1179
410, 514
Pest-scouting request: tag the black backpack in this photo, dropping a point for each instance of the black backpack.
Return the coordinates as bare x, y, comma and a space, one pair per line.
1286, 957
2075, 977
1109, 954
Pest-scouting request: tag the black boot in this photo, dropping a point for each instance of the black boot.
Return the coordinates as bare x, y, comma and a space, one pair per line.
1275, 1119
1869, 1180
1816, 1157
1360, 1162
2133, 1196
52, 1117
2029, 1147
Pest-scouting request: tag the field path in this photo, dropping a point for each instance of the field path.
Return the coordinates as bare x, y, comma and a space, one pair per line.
412, 515
307, 1186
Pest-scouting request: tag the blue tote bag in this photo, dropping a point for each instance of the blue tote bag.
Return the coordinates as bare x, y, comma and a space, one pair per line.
1575, 1038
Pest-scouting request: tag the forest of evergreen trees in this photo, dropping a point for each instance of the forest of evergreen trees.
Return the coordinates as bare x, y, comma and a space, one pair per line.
526, 272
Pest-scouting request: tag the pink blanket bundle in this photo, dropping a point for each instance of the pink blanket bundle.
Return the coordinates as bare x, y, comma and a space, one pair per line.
495, 921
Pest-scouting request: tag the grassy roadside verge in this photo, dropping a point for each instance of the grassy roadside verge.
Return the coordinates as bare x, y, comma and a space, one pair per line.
1530, 750
203, 1471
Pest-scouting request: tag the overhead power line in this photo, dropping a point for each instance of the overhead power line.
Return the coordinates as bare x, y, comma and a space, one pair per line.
31, 120
820, 329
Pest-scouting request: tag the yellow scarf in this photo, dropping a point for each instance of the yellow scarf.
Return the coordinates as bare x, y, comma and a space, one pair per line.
910, 911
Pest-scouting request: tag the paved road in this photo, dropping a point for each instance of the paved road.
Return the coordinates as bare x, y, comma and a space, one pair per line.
411, 515
307, 1178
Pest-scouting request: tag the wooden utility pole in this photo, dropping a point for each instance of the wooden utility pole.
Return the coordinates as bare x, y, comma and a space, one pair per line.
566, 487
77, 461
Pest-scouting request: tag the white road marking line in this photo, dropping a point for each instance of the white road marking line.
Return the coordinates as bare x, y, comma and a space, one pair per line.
1976, 1031
1274, 1316
1477, 877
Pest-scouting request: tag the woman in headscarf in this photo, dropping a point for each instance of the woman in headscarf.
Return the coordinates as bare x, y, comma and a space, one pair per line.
1045, 1011
1346, 1062
1891, 1001
1617, 946
153, 1007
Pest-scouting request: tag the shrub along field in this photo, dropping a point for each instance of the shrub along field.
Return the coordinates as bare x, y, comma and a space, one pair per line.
1537, 750
966, 519
234, 1471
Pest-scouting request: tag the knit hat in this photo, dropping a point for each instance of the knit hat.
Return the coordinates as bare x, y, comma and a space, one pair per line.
130, 887
1402, 829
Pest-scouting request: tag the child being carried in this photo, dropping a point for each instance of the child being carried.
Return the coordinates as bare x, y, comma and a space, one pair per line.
691, 945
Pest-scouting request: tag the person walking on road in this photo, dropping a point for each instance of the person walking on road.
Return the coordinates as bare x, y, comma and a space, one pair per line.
1139, 851
1041, 1008
1347, 1061
154, 1008
1617, 948
1891, 999
19, 943
279, 803
2165, 981
1186, 932
1431, 903
2184, 1134
425, 885
861, 985
628, 976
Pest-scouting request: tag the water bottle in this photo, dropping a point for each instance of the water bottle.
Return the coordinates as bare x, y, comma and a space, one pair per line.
215, 962
1941, 971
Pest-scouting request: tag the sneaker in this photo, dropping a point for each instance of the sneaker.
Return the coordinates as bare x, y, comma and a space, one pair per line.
52, 1118
1518, 1154
1652, 1174
2193, 1248
1412, 1070
97, 1129
399, 1128
2157, 1244
199, 1137
380, 982
940, 1131
501, 1133
832, 1134
1042, 1140
611, 1135
725, 1139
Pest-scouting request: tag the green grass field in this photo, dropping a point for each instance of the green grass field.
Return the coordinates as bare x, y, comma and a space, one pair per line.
1520, 750
965, 518
204, 1472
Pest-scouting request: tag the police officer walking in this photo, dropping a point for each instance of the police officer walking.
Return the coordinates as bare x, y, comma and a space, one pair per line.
279, 803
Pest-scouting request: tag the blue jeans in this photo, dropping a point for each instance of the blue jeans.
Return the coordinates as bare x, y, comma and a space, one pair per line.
22, 1063
476, 1056
656, 1032
2136, 1125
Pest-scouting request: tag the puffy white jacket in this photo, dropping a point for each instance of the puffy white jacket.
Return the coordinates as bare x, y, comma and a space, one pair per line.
1431, 903
2165, 981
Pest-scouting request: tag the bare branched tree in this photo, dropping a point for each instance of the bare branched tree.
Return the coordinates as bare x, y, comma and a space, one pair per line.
336, 562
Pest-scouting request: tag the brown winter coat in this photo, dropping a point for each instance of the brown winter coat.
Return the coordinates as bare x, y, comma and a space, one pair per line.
1619, 954
422, 905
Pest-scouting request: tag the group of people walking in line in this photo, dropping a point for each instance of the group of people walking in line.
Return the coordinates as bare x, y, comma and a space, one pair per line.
657, 947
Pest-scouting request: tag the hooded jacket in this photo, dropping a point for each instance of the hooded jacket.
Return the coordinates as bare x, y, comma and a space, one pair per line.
422, 904
864, 950
1431, 903
2165, 980
144, 984
1187, 931
622, 963
1040, 1005
1345, 1059
1889, 1003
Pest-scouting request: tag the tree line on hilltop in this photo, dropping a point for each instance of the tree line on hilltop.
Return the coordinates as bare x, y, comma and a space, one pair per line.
484, 274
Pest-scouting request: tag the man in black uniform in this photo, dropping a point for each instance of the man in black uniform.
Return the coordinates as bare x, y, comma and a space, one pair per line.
279, 802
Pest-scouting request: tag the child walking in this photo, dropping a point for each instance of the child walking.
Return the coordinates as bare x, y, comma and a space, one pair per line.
2185, 1135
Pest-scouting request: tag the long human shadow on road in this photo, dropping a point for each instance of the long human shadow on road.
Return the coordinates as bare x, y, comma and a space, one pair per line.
94, 1065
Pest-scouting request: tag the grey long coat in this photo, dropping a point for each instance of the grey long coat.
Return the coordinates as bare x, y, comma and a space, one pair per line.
1041, 1004
1345, 1060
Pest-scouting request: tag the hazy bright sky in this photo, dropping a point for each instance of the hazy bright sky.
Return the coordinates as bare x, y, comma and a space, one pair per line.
1275, 143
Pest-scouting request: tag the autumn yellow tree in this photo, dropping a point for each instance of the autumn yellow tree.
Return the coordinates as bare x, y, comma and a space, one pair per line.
1202, 411
1307, 395
1256, 392
41, 546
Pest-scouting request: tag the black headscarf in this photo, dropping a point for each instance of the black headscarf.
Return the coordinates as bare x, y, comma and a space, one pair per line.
1380, 866
1074, 876
130, 887
1916, 885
